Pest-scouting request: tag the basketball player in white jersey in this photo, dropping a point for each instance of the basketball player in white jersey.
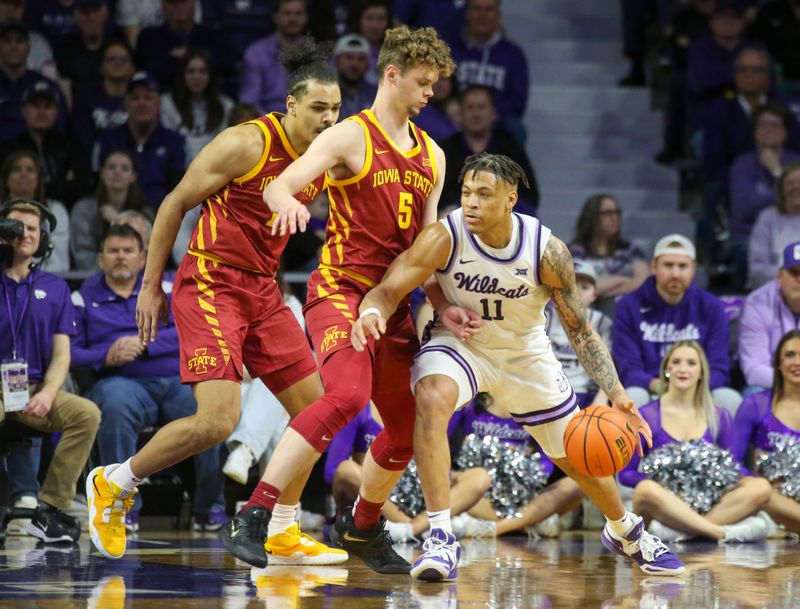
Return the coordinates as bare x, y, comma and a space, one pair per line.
505, 267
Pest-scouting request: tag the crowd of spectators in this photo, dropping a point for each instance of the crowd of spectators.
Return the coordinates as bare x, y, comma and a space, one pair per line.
100, 134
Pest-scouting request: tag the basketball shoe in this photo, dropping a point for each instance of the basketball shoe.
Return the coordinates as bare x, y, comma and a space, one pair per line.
245, 534
374, 547
108, 507
109, 593
293, 547
439, 560
649, 552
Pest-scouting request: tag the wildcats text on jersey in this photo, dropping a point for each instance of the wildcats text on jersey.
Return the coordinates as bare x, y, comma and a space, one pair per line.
483, 284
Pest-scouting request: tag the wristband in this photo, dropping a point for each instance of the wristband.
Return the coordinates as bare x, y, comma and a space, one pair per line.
370, 311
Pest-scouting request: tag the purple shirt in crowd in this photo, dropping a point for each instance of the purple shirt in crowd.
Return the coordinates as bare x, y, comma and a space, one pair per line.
445, 16
103, 316
621, 263
159, 162
755, 425
772, 232
264, 79
49, 312
765, 319
710, 75
93, 113
752, 188
725, 438
500, 65
50, 18
355, 437
645, 327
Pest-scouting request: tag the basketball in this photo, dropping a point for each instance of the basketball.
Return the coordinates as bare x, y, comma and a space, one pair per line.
599, 442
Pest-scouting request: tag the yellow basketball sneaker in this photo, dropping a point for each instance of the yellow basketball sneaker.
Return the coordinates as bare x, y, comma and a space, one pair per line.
293, 547
108, 505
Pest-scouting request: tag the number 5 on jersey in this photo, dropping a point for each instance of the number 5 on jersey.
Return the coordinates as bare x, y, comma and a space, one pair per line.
404, 210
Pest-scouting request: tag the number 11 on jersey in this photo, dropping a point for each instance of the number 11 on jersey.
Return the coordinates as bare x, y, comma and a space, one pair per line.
498, 310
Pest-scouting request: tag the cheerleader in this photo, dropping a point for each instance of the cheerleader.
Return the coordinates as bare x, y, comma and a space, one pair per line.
769, 424
404, 512
519, 498
685, 413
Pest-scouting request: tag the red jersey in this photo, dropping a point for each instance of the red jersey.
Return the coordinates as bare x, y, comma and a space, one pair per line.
235, 224
377, 214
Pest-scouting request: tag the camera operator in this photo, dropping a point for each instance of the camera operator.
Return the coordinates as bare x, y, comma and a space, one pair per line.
36, 324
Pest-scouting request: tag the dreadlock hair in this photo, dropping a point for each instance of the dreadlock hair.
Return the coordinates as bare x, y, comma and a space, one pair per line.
306, 60
498, 164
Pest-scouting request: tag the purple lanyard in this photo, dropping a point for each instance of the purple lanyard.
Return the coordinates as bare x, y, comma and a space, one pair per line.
15, 327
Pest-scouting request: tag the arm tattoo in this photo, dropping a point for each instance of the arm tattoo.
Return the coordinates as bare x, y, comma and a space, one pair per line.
589, 347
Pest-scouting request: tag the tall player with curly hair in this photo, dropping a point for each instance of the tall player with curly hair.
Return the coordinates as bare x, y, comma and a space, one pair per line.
228, 309
384, 178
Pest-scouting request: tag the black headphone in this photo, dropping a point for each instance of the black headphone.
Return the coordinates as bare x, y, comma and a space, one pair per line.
47, 225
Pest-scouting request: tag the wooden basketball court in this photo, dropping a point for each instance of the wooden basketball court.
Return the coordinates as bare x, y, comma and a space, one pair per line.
184, 570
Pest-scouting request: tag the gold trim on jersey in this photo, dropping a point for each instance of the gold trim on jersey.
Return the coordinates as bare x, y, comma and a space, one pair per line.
431, 154
203, 282
276, 122
352, 274
264, 153
367, 158
209, 257
406, 153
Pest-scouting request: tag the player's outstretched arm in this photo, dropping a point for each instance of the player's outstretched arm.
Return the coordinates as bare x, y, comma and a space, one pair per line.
340, 145
558, 276
410, 269
232, 154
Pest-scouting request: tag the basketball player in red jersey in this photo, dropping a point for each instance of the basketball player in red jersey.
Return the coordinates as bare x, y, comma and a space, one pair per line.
384, 178
228, 309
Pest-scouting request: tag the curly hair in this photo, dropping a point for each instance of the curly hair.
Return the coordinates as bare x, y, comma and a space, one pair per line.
408, 49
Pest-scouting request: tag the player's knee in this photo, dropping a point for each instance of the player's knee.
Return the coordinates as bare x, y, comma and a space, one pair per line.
434, 401
206, 432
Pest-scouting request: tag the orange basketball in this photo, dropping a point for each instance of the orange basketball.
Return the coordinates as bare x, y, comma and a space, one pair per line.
599, 442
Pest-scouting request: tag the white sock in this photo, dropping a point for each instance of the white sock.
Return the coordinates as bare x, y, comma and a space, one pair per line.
622, 527
283, 516
123, 477
441, 520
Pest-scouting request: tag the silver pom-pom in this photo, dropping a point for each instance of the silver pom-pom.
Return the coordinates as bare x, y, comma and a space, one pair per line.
698, 472
407, 493
782, 465
517, 474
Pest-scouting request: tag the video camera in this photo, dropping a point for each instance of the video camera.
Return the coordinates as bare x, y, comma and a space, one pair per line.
11, 229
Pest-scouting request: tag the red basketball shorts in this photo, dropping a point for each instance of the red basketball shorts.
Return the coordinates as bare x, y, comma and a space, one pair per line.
228, 317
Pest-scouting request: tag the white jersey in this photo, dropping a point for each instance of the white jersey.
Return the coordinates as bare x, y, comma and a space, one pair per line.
503, 286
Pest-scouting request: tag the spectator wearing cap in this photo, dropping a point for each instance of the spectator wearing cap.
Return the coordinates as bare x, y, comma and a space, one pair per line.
753, 177
15, 78
66, 173
586, 390
775, 228
710, 67
666, 308
158, 153
480, 133
102, 107
351, 55
769, 312
36, 330
139, 385
40, 58
484, 56
160, 49
53, 18
264, 78
777, 25
80, 54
